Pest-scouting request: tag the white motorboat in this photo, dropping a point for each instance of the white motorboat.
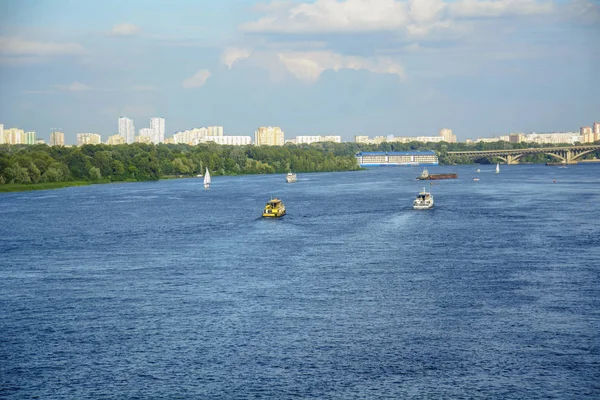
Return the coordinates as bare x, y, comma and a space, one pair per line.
423, 201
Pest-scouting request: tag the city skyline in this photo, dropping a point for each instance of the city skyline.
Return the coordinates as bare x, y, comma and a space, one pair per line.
312, 67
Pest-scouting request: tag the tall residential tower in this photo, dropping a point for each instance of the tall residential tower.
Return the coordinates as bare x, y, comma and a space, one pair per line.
158, 127
269, 136
126, 129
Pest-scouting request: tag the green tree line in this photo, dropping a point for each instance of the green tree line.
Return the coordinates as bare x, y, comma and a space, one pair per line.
141, 162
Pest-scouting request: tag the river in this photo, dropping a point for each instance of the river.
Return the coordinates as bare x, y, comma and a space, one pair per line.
167, 290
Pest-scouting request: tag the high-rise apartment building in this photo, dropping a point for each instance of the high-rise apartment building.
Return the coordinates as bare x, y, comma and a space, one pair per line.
88, 138
57, 139
14, 136
29, 138
126, 129
448, 135
269, 136
596, 130
1, 133
215, 131
158, 127
586, 132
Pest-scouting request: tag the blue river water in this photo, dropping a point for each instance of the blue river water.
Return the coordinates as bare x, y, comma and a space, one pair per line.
167, 290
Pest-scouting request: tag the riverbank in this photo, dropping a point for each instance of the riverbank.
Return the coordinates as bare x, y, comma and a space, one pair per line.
27, 187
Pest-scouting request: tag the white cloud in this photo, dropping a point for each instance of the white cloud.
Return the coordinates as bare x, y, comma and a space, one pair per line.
332, 16
412, 16
498, 8
73, 87
196, 80
232, 54
18, 46
308, 66
125, 30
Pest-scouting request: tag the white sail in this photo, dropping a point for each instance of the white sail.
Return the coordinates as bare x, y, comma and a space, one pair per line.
498, 168
207, 178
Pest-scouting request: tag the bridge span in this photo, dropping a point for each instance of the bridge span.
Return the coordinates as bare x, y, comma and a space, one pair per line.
568, 155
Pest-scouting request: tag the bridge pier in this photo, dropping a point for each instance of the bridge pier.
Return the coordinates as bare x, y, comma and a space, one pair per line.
512, 159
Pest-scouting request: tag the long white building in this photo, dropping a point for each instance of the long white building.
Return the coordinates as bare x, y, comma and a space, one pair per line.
318, 138
126, 129
88, 138
228, 140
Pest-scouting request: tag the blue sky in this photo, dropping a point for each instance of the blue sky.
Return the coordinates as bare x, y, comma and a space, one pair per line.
374, 67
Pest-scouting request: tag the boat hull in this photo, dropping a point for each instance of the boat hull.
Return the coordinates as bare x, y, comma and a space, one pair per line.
435, 177
427, 207
273, 214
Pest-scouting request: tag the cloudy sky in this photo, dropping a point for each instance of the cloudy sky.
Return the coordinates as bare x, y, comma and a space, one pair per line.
344, 67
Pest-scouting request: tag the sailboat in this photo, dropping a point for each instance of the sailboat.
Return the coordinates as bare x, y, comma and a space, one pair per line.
498, 168
206, 179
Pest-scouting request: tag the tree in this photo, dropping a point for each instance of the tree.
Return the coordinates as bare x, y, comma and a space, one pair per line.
94, 174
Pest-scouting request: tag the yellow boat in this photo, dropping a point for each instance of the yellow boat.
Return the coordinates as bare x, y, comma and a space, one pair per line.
274, 209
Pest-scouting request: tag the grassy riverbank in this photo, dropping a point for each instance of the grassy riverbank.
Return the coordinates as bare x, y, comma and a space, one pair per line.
22, 187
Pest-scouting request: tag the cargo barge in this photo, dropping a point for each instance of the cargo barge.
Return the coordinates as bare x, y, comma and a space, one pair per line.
425, 175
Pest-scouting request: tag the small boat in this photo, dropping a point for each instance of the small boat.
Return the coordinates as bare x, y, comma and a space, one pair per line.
498, 168
475, 179
274, 209
206, 179
478, 170
424, 201
290, 177
199, 176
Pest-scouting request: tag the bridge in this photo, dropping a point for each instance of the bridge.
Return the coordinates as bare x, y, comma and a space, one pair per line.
567, 155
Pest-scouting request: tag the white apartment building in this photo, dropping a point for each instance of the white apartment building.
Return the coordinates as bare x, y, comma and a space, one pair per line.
215, 131
430, 139
1, 133
228, 140
362, 139
448, 135
142, 139
88, 138
126, 129
554, 138
190, 136
317, 138
115, 139
148, 132
157, 125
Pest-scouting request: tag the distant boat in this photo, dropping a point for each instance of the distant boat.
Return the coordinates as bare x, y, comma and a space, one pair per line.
475, 179
290, 177
478, 170
498, 168
206, 179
